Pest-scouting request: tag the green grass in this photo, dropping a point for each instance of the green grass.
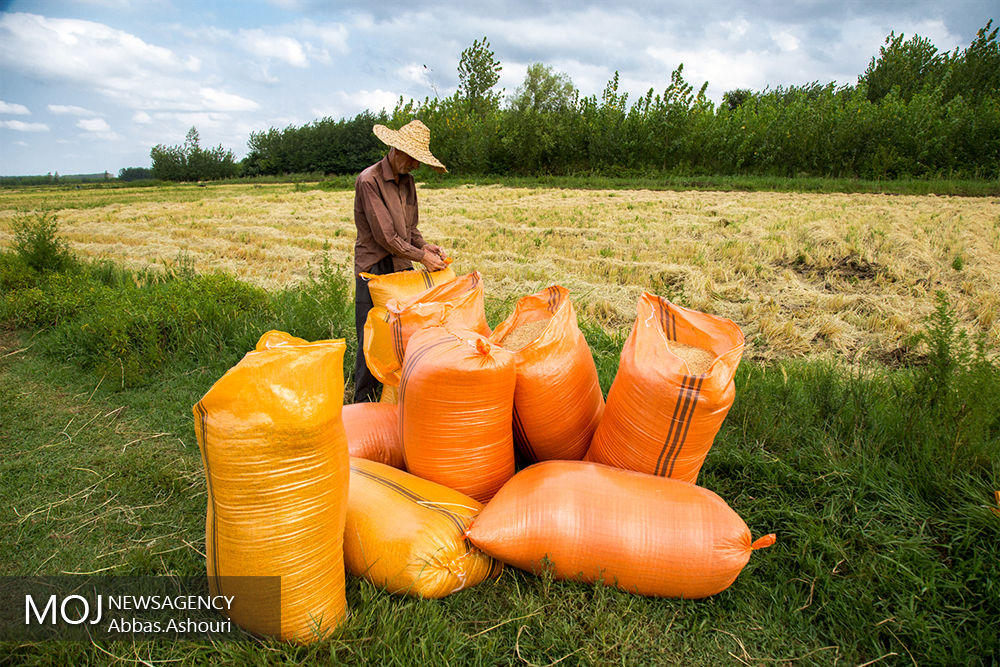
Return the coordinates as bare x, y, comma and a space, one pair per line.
878, 483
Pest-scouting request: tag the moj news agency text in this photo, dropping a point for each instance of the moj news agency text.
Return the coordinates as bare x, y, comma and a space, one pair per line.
117, 613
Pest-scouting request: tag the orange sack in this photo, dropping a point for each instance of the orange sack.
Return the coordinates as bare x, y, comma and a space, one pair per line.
373, 433
557, 401
456, 397
404, 284
276, 467
407, 535
640, 533
673, 388
459, 303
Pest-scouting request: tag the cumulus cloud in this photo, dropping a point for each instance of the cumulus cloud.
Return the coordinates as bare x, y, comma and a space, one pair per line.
373, 100
219, 100
71, 110
112, 62
277, 47
13, 109
21, 126
97, 128
93, 125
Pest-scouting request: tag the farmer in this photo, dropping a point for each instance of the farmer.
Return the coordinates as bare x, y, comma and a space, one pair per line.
385, 213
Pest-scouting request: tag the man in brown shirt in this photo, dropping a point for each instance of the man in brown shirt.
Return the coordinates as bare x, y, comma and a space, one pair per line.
386, 217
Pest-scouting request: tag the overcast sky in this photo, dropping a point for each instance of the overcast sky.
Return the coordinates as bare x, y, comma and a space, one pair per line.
92, 85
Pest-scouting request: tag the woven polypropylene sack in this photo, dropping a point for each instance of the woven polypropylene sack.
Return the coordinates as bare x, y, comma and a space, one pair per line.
404, 284
276, 467
457, 303
407, 535
661, 417
557, 401
373, 433
456, 400
278, 339
390, 395
643, 534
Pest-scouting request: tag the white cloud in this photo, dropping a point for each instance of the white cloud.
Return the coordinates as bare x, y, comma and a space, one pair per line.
785, 40
97, 128
277, 47
219, 100
142, 118
373, 100
21, 126
414, 73
93, 125
117, 64
72, 110
14, 109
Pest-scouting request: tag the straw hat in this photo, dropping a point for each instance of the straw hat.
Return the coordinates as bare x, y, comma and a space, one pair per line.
413, 139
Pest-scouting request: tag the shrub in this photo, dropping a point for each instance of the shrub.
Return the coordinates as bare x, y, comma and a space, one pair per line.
37, 243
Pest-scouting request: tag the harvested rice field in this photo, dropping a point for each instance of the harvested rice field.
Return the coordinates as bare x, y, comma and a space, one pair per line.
820, 275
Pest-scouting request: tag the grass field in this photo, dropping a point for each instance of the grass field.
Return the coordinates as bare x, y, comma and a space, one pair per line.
803, 274
878, 479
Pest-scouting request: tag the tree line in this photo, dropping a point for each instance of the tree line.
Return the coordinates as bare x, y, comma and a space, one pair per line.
914, 112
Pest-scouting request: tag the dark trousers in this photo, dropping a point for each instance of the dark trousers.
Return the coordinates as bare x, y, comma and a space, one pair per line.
366, 387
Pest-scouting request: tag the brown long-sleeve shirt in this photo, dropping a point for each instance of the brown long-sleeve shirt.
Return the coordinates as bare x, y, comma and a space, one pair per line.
385, 213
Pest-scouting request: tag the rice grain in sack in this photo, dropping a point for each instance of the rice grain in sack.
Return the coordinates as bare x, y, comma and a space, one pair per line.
407, 535
642, 534
456, 398
404, 284
373, 432
457, 303
662, 415
557, 401
276, 467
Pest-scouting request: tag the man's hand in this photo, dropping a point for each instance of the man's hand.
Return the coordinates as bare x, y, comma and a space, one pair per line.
436, 249
432, 260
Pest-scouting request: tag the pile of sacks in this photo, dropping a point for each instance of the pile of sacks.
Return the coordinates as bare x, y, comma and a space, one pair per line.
420, 493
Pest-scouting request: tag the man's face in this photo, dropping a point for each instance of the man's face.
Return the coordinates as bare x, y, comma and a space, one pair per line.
401, 162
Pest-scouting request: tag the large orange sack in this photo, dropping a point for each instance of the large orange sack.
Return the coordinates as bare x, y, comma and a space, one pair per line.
407, 535
640, 533
457, 303
276, 468
662, 416
373, 433
456, 398
404, 284
557, 400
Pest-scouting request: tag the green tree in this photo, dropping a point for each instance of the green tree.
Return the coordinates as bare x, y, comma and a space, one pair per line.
911, 66
544, 90
478, 72
190, 162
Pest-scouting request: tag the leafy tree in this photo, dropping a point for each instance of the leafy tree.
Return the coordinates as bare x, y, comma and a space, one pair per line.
975, 72
544, 90
134, 173
910, 65
190, 162
734, 99
478, 72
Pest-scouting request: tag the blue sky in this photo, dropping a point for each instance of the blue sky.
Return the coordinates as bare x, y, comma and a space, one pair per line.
92, 85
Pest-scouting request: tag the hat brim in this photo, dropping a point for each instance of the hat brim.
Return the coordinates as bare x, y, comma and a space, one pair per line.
401, 142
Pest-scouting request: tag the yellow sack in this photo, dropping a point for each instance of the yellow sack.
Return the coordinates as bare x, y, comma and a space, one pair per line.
407, 535
404, 284
390, 394
276, 467
457, 303
277, 339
